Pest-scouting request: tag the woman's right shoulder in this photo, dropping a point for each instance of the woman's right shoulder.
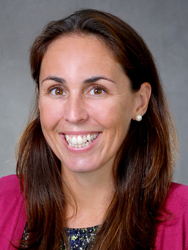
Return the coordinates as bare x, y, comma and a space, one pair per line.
12, 212
9, 185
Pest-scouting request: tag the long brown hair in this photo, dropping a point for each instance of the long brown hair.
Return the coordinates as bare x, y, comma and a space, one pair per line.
144, 163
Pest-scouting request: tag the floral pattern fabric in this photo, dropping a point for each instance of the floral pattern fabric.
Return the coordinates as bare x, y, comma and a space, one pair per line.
78, 238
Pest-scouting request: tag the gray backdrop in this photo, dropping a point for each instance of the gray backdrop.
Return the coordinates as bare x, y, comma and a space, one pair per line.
162, 23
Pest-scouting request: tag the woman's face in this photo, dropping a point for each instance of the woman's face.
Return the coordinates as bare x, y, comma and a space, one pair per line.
86, 103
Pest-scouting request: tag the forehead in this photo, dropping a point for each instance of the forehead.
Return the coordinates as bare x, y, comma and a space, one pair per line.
87, 42
81, 52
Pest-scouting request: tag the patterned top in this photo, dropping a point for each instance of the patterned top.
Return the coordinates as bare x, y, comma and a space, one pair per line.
78, 238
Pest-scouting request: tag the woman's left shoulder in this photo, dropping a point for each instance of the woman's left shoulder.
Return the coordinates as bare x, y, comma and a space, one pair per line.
172, 232
177, 198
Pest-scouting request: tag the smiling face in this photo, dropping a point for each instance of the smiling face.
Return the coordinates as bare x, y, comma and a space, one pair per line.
86, 103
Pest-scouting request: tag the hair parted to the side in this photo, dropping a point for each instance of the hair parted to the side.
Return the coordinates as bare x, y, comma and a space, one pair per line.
144, 164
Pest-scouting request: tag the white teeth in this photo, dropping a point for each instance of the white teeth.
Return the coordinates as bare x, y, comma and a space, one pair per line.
74, 140
67, 137
88, 137
84, 138
80, 141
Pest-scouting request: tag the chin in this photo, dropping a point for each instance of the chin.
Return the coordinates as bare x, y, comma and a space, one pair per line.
80, 167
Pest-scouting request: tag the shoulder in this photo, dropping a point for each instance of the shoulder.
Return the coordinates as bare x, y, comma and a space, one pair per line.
177, 199
173, 231
178, 190
12, 211
9, 184
10, 194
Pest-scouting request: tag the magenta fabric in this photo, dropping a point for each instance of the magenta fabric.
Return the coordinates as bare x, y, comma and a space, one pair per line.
12, 212
172, 234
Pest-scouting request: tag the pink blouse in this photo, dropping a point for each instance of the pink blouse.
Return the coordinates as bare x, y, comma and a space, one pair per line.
172, 234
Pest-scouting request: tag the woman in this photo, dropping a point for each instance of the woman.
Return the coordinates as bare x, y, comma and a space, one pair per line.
95, 162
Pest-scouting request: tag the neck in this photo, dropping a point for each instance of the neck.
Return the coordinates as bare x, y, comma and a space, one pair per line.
88, 197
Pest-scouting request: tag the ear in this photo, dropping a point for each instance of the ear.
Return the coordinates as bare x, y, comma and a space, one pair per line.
142, 99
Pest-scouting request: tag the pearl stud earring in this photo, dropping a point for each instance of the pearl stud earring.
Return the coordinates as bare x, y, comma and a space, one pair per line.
138, 118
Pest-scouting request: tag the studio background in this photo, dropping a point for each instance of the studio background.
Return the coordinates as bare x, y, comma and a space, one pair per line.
163, 24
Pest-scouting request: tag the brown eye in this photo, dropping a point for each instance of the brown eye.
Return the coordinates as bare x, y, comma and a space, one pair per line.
98, 91
58, 92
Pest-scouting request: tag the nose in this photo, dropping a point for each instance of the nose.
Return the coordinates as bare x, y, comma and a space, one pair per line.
75, 110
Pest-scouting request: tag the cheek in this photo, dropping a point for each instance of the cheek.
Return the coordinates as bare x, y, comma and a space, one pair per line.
115, 119
104, 114
111, 112
49, 115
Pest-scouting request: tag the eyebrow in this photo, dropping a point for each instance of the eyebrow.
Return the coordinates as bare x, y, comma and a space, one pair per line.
89, 80
54, 78
97, 78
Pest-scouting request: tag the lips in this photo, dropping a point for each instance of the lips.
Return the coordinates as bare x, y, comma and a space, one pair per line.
80, 141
